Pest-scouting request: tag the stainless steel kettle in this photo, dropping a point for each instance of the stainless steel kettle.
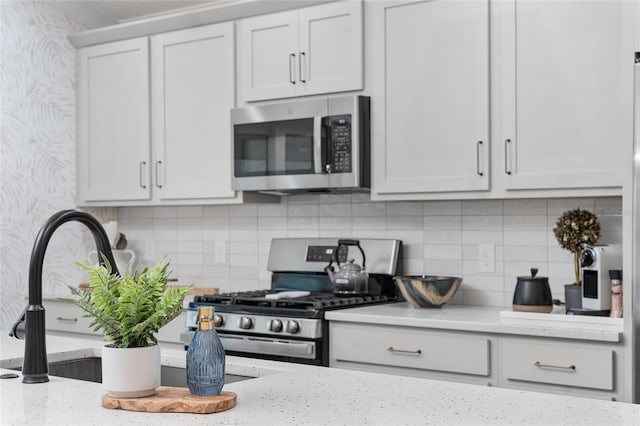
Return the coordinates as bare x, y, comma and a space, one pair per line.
349, 278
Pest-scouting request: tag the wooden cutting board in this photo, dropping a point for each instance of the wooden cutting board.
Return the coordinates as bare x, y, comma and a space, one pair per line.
169, 399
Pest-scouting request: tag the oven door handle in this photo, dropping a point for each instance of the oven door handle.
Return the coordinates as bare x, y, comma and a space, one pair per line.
270, 347
257, 345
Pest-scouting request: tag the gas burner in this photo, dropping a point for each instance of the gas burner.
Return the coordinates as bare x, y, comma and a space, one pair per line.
314, 301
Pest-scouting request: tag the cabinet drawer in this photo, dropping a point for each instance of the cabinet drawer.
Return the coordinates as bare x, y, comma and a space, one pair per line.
62, 316
557, 363
411, 348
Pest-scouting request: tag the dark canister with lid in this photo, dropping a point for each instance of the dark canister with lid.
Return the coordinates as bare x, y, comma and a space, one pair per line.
532, 294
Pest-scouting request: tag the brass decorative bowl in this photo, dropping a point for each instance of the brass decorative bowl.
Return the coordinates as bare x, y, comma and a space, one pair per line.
427, 291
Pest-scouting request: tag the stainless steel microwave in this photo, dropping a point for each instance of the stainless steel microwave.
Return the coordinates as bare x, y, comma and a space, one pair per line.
312, 145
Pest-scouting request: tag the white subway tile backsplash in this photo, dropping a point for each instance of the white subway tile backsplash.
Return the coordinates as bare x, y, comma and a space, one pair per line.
482, 223
368, 209
404, 223
246, 210
525, 207
442, 208
189, 212
453, 222
442, 237
412, 208
525, 222
443, 251
482, 237
439, 237
302, 210
483, 207
558, 206
531, 238
369, 223
334, 210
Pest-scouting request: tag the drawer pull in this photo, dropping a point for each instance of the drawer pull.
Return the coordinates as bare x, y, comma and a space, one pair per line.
557, 367
67, 319
404, 351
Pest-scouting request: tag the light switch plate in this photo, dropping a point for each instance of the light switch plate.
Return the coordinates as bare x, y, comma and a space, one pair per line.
486, 258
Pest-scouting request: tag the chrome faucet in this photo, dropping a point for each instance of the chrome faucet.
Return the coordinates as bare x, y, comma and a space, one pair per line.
35, 368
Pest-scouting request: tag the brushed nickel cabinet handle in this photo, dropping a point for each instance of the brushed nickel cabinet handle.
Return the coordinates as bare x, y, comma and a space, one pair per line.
301, 58
507, 169
404, 351
292, 64
142, 166
67, 319
555, 367
158, 184
478, 147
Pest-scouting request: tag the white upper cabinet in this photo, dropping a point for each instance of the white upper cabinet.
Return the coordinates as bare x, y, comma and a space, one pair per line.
308, 51
564, 92
113, 153
430, 107
193, 91
187, 159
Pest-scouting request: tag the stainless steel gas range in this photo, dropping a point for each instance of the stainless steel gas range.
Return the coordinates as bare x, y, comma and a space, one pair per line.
286, 322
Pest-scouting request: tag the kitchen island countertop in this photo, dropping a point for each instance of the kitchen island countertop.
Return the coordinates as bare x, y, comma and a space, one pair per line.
293, 394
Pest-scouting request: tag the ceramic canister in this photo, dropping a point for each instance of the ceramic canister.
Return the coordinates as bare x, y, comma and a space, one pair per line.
532, 294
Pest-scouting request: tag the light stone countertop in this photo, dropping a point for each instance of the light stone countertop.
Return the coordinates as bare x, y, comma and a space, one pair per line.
486, 319
293, 394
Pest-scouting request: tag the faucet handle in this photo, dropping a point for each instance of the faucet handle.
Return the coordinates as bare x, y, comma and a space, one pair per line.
18, 330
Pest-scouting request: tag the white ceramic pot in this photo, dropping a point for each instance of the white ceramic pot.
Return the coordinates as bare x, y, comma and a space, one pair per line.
130, 372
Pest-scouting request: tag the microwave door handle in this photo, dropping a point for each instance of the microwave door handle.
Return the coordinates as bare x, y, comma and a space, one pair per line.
317, 145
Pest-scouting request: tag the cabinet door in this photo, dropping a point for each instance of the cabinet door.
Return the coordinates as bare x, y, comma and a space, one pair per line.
431, 110
268, 56
113, 121
193, 88
567, 84
330, 56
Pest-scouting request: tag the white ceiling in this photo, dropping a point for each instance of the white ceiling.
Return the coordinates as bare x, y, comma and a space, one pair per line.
100, 13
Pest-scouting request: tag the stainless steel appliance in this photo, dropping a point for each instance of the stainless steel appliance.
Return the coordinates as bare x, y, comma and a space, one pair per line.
635, 254
596, 262
313, 145
286, 322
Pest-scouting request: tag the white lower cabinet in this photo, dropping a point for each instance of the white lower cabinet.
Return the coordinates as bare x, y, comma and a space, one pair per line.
559, 366
66, 319
416, 352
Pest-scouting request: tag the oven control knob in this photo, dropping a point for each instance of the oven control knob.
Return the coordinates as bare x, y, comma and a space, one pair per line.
218, 321
246, 323
275, 325
292, 327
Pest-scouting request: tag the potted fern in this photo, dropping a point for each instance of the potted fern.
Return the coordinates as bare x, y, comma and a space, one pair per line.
130, 310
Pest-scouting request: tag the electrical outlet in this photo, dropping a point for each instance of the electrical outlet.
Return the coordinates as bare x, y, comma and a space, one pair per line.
486, 258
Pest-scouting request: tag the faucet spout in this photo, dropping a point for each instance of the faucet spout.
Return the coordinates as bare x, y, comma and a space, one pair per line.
35, 368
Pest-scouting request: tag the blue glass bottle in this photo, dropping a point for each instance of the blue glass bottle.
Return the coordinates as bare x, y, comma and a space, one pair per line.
205, 357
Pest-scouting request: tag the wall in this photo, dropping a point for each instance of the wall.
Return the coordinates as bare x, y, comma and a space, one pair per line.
439, 238
37, 153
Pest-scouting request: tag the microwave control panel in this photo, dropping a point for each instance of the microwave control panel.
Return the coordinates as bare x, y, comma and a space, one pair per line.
340, 151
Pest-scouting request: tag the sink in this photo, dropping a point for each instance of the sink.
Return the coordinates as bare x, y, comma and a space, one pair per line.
90, 370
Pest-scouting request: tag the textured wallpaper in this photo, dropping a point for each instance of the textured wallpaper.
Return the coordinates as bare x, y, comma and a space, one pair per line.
37, 151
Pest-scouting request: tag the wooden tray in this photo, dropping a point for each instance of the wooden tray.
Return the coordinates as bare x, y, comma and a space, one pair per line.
169, 399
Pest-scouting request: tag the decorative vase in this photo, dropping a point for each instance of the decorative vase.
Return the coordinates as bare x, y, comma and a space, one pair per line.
572, 297
130, 372
205, 357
